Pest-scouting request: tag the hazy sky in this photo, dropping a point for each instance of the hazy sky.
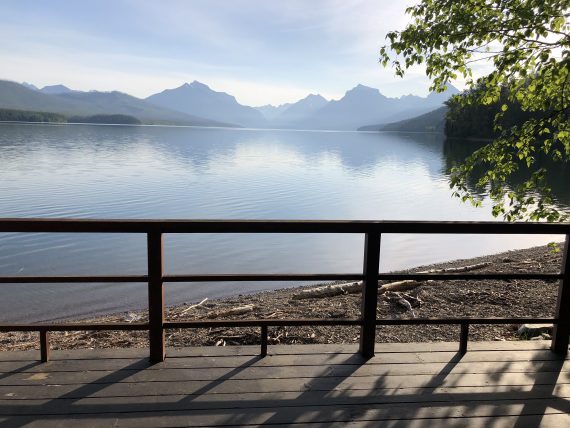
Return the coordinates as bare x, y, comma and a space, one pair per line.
260, 51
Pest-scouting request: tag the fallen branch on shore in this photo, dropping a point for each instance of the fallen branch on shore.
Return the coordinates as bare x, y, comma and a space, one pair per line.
193, 306
356, 287
458, 269
329, 290
352, 287
405, 285
240, 310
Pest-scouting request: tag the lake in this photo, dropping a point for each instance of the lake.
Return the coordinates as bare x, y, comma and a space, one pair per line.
89, 171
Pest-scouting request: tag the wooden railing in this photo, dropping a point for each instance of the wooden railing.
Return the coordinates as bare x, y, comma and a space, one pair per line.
373, 231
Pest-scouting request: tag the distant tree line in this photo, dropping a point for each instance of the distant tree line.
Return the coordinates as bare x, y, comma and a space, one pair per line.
433, 121
10, 115
476, 120
113, 119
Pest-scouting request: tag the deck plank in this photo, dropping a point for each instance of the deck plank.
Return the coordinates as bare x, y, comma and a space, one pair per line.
169, 400
304, 415
272, 368
283, 360
120, 420
274, 374
210, 391
302, 350
504, 384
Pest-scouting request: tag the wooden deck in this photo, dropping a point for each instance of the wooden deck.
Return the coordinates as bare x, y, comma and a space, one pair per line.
496, 384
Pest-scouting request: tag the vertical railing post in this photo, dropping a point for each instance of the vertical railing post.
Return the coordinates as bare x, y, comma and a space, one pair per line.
463, 337
370, 293
561, 330
44, 346
263, 352
155, 297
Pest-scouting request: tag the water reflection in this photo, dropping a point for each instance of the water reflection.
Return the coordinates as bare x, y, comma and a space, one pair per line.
161, 172
455, 151
21, 145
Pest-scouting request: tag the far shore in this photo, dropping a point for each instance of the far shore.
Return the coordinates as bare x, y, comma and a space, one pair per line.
438, 299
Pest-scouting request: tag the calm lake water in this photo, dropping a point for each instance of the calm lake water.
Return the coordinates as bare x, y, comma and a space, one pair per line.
191, 173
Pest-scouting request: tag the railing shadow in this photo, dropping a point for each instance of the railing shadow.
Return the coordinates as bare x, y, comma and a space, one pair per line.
539, 408
344, 388
70, 398
22, 369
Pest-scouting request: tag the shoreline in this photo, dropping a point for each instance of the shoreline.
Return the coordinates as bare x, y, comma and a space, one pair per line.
439, 299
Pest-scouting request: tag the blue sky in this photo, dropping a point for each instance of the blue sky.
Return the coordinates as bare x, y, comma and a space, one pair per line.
260, 51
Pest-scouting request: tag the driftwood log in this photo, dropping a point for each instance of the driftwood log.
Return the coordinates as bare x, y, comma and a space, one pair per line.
239, 310
329, 290
459, 268
356, 287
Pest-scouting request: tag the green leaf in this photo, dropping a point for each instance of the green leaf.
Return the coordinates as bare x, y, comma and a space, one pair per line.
525, 95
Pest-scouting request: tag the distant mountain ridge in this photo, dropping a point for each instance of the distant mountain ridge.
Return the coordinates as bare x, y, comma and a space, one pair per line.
198, 99
197, 104
56, 89
76, 103
363, 105
270, 112
359, 107
30, 86
294, 112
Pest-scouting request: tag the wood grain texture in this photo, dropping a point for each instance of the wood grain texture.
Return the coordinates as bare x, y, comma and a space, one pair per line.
513, 384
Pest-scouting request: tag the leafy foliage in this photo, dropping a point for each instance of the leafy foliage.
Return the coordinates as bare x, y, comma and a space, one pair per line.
528, 44
478, 120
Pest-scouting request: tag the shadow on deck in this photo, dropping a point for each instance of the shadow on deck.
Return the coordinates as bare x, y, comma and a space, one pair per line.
498, 384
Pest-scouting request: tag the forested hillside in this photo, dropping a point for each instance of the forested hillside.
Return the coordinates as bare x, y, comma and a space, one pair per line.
112, 119
11, 115
476, 120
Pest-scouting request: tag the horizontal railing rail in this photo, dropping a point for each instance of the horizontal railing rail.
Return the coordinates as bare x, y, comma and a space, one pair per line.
278, 277
372, 230
276, 226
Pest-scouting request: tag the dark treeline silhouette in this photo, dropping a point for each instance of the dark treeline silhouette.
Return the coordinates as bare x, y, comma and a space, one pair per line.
113, 119
476, 120
10, 115
433, 121
467, 122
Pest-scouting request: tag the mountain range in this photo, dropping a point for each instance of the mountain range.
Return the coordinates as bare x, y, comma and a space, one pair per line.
199, 100
73, 103
197, 104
